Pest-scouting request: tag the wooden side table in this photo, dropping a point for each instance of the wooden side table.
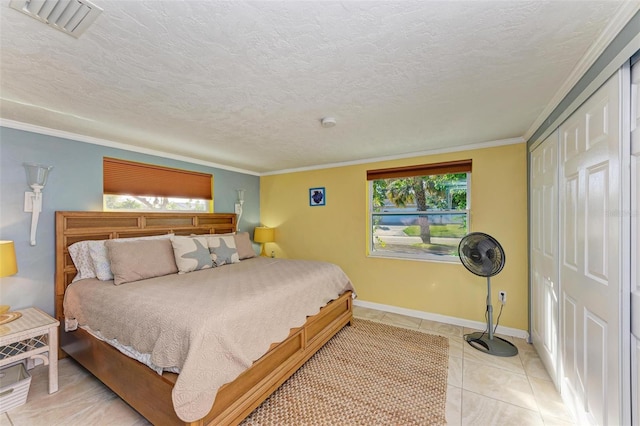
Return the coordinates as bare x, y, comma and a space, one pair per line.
30, 337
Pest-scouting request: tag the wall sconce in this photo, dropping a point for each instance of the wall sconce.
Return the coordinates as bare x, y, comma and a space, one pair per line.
8, 266
36, 178
239, 205
262, 235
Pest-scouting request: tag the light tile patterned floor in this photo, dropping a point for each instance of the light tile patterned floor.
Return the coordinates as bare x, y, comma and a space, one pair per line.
486, 390
483, 390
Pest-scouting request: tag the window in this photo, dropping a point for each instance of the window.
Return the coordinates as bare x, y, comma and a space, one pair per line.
136, 186
419, 212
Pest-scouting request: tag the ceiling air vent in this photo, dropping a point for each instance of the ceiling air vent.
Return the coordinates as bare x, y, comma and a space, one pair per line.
69, 16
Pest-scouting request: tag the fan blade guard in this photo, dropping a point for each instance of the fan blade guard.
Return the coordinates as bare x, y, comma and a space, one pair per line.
481, 254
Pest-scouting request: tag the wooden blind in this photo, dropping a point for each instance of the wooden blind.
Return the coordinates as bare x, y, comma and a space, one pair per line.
461, 166
127, 177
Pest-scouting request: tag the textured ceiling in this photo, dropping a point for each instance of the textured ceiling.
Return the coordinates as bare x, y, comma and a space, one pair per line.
245, 84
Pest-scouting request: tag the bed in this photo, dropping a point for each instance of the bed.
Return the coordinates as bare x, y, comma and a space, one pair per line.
150, 393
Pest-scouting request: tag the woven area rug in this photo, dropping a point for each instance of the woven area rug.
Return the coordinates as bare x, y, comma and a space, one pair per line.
368, 374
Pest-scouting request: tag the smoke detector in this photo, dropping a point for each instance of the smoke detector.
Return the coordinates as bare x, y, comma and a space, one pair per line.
327, 122
72, 17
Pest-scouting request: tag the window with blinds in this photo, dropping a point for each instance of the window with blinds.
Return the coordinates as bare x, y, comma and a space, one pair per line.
421, 211
129, 185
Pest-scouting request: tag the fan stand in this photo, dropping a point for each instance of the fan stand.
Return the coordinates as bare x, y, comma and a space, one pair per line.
488, 343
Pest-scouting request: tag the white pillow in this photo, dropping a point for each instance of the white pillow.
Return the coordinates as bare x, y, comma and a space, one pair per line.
191, 253
79, 253
223, 250
100, 257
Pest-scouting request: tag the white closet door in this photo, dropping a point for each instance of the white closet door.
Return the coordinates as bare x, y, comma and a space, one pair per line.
635, 241
544, 252
590, 202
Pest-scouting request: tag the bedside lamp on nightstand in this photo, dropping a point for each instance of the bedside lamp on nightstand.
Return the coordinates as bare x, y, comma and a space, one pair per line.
264, 235
8, 266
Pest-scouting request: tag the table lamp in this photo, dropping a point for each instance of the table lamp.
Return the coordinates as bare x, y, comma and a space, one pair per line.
8, 266
262, 235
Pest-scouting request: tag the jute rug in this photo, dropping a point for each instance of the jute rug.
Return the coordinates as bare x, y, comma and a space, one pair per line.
368, 374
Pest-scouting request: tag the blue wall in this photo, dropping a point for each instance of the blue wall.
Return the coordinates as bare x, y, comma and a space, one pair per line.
75, 183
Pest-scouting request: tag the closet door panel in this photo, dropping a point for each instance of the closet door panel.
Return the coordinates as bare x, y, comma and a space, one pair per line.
544, 252
591, 341
635, 242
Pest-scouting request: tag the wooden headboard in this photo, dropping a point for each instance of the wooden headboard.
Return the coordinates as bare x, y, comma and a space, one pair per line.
72, 227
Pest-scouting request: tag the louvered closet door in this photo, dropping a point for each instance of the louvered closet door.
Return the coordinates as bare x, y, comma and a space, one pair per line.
544, 252
590, 203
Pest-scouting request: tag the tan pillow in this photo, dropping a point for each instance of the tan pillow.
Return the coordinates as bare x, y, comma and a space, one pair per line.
138, 260
213, 235
244, 246
100, 258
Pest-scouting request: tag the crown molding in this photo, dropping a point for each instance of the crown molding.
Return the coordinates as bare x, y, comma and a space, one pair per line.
479, 145
622, 17
104, 142
111, 144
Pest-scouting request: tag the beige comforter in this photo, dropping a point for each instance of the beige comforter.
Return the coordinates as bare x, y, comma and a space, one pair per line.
212, 324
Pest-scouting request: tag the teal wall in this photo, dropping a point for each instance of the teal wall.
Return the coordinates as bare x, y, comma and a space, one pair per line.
75, 183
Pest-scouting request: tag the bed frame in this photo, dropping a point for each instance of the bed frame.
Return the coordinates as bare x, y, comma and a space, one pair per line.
146, 391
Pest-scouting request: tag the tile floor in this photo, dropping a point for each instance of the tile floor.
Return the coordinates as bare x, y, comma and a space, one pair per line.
483, 390
486, 390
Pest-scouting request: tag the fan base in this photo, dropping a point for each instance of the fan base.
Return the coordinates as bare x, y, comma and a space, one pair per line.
495, 346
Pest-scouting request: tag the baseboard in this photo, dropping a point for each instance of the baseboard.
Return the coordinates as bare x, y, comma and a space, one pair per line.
506, 331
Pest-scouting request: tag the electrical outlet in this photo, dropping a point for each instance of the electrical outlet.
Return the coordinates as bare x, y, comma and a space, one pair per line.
502, 295
238, 209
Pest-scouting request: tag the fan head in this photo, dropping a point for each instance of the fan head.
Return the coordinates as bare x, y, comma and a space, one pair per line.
481, 254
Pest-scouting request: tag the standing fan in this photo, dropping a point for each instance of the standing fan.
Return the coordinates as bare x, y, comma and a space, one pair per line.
482, 255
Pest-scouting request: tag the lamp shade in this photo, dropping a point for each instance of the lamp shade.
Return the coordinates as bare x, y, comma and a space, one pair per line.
262, 234
37, 174
8, 264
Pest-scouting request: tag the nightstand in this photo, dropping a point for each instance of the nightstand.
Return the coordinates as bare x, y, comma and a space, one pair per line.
32, 336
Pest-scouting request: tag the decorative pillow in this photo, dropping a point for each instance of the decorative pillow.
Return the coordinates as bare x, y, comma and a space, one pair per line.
244, 246
79, 253
191, 253
140, 259
223, 250
100, 257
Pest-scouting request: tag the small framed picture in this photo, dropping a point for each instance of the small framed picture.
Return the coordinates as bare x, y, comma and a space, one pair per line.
317, 197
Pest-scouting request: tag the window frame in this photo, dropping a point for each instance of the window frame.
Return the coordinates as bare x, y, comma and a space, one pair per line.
462, 166
106, 208
134, 179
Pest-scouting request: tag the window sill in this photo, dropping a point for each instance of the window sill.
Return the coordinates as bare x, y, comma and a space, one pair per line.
401, 256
